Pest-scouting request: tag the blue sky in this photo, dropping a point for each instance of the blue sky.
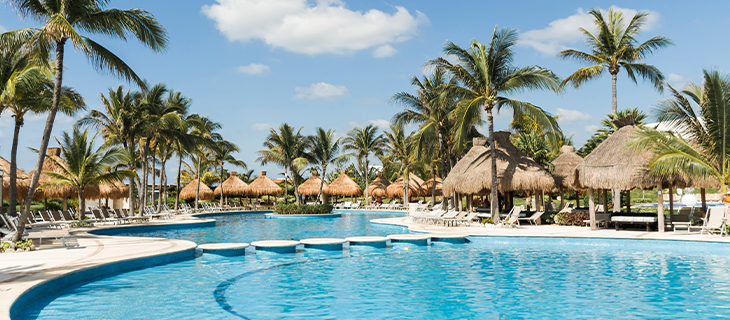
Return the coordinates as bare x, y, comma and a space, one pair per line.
334, 64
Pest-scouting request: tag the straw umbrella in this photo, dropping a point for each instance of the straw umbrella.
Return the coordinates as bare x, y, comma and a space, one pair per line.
434, 186
344, 186
564, 165
378, 188
22, 182
233, 186
189, 191
264, 186
416, 187
312, 185
53, 192
515, 171
611, 166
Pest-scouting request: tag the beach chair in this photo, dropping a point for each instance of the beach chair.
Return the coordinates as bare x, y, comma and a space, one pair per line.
682, 219
511, 220
356, 205
469, 219
446, 218
533, 218
715, 220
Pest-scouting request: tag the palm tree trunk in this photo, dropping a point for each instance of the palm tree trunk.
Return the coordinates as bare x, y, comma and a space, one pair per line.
220, 184
321, 184
13, 190
442, 149
163, 186
493, 154
145, 172
286, 189
433, 185
154, 156
294, 184
367, 176
179, 168
25, 213
82, 204
197, 186
613, 86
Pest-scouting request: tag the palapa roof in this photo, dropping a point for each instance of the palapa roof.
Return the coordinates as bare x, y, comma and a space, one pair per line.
429, 184
344, 186
311, 186
378, 187
189, 191
515, 171
564, 165
49, 192
415, 187
22, 181
233, 186
611, 166
264, 186
118, 190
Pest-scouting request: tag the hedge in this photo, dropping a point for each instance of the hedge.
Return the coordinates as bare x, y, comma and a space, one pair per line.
303, 209
571, 218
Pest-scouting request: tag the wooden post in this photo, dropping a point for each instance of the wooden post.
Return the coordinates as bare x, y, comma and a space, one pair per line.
628, 201
704, 199
671, 201
605, 200
660, 208
562, 201
592, 209
577, 199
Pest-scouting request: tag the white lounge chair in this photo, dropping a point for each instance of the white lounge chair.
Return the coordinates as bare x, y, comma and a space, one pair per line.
533, 218
715, 220
511, 219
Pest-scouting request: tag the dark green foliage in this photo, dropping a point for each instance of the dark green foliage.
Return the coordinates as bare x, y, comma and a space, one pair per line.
571, 218
303, 209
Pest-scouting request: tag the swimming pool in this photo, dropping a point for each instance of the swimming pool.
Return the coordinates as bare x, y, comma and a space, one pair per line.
490, 277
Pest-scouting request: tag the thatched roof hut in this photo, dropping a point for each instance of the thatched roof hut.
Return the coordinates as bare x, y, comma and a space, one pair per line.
515, 171
564, 165
64, 192
233, 186
189, 191
344, 186
22, 181
264, 186
611, 166
311, 186
415, 187
118, 190
378, 188
429, 185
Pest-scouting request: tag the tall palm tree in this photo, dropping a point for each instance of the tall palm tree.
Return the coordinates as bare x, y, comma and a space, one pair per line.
401, 154
286, 148
700, 115
615, 47
609, 127
325, 150
186, 140
485, 76
223, 153
363, 142
85, 165
205, 135
62, 22
432, 107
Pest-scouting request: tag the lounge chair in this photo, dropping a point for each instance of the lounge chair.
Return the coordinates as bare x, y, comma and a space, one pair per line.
39, 234
450, 220
468, 219
511, 218
533, 218
446, 218
355, 205
715, 220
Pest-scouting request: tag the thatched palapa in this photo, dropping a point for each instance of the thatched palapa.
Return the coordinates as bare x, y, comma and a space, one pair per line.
429, 185
564, 165
22, 181
52, 192
378, 188
415, 187
264, 186
233, 186
189, 191
118, 190
344, 186
515, 171
311, 186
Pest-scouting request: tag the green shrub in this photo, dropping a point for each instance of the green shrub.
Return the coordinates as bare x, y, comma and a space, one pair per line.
571, 218
4, 246
303, 209
23, 245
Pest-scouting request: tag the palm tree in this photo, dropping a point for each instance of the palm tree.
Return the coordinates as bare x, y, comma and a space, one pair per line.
62, 23
185, 140
363, 142
615, 47
85, 165
609, 127
222, 154
287, 149
485, 76
401, 154
324, 151
432, 107
702, 147
205, 135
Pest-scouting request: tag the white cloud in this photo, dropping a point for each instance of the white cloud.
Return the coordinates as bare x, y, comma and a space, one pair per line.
562, 32
674, 77
2, 29
325, 26
384, 51
380, 123
256, 69
567, 115
260, 126
591, 128
321, 91
370, 100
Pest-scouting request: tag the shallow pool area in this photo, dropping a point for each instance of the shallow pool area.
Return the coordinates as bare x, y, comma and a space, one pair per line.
487, 277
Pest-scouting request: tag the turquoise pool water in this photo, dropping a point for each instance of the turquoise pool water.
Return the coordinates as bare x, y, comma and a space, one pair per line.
488, 278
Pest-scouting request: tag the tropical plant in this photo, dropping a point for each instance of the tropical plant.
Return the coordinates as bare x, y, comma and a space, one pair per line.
85, 165
205, 135
485, 76
533, 145
62, 22
223, 153
325, 150
609, 127
615, 47
363, 142
401, 154
287, 149
699, 147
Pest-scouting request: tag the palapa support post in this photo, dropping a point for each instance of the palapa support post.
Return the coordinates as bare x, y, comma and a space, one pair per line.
592, 209
660, 208
628, 201
671, 200
605, 200
562, 201
577, 199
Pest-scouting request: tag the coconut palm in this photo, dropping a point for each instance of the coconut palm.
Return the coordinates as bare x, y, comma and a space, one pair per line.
609, 127
486, 76
363, 142
84, 165
287, 149
401, 154
185, 140
223, 153
615, 47
205, 136
64, 21
699, 114
325, 150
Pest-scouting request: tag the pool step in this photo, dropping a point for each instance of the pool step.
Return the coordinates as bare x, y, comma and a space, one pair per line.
224, 249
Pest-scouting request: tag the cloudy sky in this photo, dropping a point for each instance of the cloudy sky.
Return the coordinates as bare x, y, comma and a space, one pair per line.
253, 64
